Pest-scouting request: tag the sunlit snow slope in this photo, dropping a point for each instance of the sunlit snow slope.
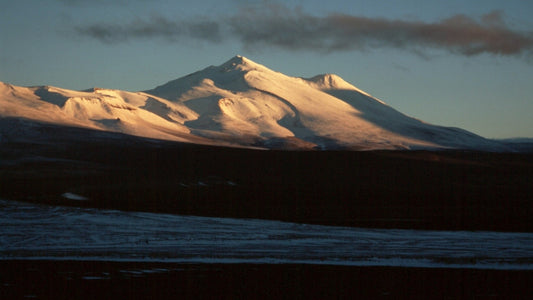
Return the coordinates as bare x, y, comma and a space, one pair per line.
240, 103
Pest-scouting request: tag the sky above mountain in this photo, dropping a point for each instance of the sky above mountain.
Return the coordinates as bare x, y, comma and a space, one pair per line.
458, 63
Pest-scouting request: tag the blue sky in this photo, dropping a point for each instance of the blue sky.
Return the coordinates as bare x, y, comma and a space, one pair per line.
467, 64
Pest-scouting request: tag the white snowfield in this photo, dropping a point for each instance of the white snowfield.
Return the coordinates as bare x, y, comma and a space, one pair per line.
240, 103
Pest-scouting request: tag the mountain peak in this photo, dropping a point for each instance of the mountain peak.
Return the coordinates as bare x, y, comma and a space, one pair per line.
330, 81
239, 59
242, 63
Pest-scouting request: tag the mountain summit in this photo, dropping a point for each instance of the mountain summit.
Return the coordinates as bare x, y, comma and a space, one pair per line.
240, 103
241, 63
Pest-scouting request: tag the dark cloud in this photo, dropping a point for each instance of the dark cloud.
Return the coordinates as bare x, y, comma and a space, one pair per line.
277, 26
155, 27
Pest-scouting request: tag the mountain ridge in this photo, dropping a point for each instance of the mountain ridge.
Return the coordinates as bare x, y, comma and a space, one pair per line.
242, 103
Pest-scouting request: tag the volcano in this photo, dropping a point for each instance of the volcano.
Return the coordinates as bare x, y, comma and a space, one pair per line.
239, 104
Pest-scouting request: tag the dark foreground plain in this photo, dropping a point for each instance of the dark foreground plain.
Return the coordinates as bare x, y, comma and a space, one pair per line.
451, 190
123, 280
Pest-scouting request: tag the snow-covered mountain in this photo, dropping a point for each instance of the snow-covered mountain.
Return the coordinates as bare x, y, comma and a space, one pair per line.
239, 103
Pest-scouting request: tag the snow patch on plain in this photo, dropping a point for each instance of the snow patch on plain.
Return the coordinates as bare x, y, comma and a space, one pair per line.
29, 231
72, 196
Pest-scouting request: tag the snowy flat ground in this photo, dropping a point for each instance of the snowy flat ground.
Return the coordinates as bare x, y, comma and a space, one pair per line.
29, 231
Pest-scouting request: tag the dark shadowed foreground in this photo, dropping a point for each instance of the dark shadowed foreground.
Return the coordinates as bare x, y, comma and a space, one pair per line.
390, 189
122, 280
454, 190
